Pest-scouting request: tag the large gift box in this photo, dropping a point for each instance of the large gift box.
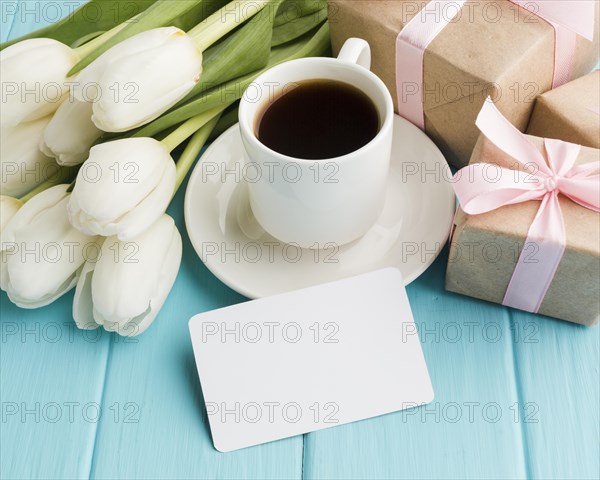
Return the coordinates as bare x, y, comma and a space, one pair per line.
570, 112
441, 59
531, 237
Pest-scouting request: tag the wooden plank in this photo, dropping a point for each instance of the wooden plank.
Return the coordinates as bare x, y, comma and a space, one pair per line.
52, 378
559, 382
468, 431
167, 435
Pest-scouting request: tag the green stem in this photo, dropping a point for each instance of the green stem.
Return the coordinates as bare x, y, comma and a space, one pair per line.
227, 120
189, 127
86, 39
218, 25
192, 149
64, 175
87, 48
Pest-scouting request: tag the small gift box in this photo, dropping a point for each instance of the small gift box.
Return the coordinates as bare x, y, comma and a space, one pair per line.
441, 59
570, 112
527, 233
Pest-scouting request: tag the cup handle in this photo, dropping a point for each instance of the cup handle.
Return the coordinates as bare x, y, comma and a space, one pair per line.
356, 50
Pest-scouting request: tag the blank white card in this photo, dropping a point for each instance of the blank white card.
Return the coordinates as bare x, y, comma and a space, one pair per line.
309, 359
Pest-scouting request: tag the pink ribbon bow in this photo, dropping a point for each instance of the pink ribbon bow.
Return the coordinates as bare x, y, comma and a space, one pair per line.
568, 17
539, 180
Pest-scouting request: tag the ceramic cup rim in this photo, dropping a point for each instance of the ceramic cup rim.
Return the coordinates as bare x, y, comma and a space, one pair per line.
247, 108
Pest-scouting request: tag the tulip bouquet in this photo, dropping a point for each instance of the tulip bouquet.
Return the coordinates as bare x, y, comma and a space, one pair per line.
91, 115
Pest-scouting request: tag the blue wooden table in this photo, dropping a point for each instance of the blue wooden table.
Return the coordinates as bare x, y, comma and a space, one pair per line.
517, 395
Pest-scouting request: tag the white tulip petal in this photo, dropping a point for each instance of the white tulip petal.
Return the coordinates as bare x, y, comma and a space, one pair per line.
4, 279
83, 313
50, 250
42, 254
29, 303
31, 210
125, 276
38, 65
86, 87
121, 117
128, 293
148, 84
168, 275
119, 178
70, 134
23, 165
150, 209
9, 206
26, 214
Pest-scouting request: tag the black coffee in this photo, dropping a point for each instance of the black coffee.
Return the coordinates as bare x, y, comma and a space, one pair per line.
319, 119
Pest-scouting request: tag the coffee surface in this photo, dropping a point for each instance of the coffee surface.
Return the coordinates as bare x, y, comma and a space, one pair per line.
319, 119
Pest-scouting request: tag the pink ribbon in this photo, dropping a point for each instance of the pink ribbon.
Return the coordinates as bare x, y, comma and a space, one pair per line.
568, 17
546, 238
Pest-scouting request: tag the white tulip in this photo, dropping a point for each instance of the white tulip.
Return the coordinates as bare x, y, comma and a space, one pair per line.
9, 206
23, 166
123, 188
85, 87
70, 133
140, 78
34, 79
126, 287
41, 253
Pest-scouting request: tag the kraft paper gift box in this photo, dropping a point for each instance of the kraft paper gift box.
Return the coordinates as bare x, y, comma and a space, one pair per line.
491, 47
570, 112
485, 248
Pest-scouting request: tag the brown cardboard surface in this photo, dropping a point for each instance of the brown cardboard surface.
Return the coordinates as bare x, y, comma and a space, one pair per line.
570, 112
485, 248
492, 48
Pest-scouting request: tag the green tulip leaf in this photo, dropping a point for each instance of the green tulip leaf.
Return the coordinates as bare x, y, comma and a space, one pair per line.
309, 45
93, 16
228, 119
288, 31
292, 10
86, 38
196, 14
243, 51
159, 14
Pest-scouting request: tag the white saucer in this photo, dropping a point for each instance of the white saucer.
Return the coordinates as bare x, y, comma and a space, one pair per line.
411, 231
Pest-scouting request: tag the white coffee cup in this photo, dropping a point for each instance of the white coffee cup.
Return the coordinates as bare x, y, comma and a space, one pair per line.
316, 203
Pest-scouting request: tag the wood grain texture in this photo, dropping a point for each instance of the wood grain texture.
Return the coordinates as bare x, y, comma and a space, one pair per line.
169, 437
517, 395
558, 371
468, 431
52, 378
